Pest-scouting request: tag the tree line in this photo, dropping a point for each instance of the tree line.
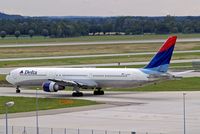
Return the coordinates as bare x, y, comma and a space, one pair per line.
71, 27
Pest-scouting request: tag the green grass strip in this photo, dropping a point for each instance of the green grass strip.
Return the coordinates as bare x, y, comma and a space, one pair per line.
23, 104
184, 84
40, 39
92, 60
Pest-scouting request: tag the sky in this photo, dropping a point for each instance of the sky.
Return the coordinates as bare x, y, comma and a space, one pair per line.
101, 7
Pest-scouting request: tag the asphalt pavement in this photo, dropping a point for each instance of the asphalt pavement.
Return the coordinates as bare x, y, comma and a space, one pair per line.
143, 112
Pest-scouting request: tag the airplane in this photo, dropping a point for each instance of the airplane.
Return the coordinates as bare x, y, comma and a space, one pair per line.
56, 79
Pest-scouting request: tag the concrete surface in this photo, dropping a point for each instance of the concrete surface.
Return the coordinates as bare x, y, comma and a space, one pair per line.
152, 112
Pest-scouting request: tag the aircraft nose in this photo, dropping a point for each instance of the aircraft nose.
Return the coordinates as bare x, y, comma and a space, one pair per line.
9, 79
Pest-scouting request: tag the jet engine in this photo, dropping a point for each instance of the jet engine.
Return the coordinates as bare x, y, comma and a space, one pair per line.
50, 86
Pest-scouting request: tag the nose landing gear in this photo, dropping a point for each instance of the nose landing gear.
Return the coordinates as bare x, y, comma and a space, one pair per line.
18, 90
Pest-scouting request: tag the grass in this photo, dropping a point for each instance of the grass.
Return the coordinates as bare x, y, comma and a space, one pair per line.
185, 84
23, 104
3, 80
20, 52
91, 60
40, 39
75, 50
187, 65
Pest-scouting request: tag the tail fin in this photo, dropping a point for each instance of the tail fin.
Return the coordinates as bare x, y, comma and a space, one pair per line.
161, 60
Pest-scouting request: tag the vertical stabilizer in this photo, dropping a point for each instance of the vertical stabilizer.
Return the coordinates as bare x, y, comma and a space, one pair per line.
161, 60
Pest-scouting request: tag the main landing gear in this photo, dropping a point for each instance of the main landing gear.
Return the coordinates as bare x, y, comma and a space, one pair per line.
98, 91
18, 90
77, 92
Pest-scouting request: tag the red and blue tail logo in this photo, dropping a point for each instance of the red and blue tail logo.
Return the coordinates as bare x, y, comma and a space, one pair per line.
161, 60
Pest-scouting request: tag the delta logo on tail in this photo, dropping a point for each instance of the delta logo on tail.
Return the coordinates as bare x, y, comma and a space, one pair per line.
160, 62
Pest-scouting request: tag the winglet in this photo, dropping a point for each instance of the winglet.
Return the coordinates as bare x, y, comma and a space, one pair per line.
161, 60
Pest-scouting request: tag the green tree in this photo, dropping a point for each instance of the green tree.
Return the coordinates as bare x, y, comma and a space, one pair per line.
149, 26
188, 30
162, 28
170, 24
137, 28
95, 29
31, 33
17, 34
45, 32
68, 31
108, 27
3, 34
174, 30
59, 31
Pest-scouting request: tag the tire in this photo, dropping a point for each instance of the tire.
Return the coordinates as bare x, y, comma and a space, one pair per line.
77, 94
98, 92
95, 92
18, 91
80, 94
101, 92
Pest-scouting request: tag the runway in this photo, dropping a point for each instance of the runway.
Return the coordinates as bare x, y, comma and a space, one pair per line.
97, 42
152, 112
90, 56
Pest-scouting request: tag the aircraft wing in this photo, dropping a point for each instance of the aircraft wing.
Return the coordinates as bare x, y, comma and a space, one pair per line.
78, 83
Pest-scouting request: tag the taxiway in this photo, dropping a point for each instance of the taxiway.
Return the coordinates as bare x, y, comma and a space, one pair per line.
152, 112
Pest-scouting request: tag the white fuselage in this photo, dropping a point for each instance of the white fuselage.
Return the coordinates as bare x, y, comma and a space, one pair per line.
104, 77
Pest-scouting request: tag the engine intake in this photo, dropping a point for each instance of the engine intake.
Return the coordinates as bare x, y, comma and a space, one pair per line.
51, 86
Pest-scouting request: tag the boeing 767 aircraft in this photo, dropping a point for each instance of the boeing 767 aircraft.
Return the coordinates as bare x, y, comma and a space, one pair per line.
55, 79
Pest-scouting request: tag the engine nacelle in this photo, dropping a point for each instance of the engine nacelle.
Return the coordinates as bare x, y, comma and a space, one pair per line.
50, 86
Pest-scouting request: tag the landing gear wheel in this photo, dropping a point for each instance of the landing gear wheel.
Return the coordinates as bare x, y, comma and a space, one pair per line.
101, 92
95, 92
98, 92
77, 94
18, 90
